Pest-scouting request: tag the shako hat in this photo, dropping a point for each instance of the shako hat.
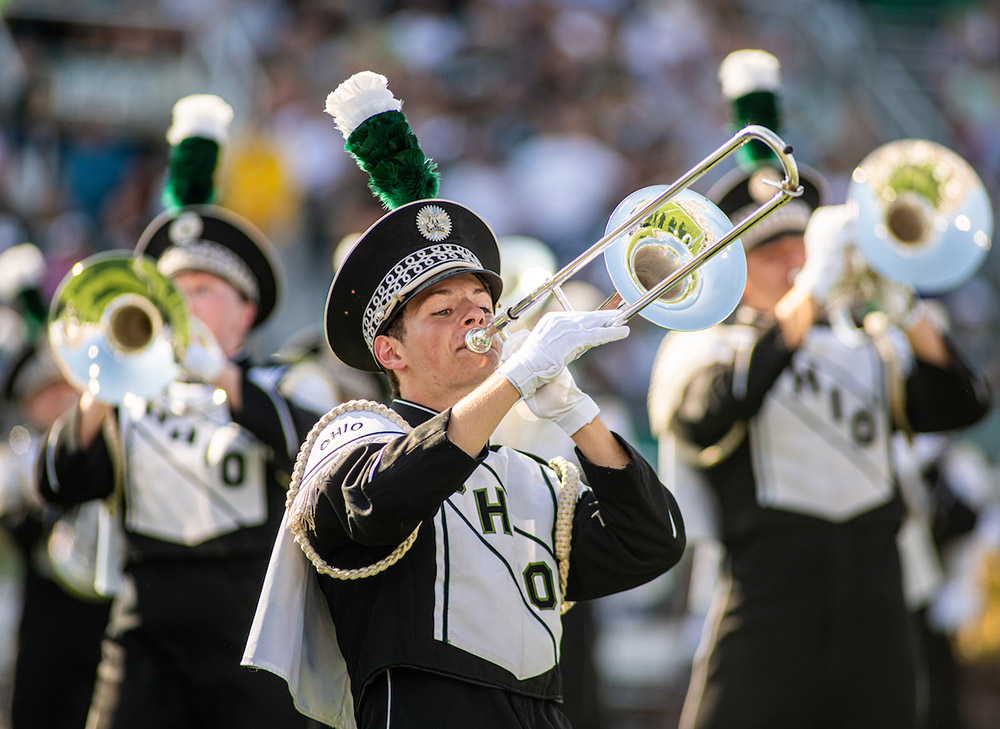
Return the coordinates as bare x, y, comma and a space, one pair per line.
192, 234
212, 239
421, 241
403, 253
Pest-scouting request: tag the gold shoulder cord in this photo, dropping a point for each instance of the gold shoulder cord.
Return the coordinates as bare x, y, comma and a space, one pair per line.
569, 489
569, 477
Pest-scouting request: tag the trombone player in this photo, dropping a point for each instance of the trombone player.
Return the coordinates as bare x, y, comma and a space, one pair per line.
438, 563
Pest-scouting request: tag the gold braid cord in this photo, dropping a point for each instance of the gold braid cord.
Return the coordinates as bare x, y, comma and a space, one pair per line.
300, 464
569, 479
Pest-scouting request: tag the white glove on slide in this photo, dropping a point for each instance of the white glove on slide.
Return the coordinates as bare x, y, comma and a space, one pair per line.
828, 237
560, 400
558, 339
204, 359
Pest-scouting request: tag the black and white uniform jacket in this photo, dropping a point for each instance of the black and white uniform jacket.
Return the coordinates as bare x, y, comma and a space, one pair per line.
793, 439
199, 481
477, 596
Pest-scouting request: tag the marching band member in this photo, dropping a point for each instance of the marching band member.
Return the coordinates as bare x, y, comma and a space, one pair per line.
790, 430
59, 634
426, 567
201, 469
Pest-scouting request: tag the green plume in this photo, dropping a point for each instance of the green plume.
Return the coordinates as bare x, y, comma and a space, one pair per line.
385, 147
751, 80
199, 126
190, 173
758, 107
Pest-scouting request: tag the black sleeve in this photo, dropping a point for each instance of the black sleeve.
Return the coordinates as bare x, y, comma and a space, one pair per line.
378, 493
625, 533
717, 397
940, 399
274, 420
69, 474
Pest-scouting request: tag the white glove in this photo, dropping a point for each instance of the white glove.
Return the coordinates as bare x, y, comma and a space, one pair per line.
828, 238
560, 400
557, 339
204, 359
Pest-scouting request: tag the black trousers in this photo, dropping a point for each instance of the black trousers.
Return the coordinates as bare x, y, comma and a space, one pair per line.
59, 647
814, 635
182, 651
403, 698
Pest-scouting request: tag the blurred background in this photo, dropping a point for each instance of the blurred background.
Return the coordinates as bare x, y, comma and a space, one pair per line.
541, 114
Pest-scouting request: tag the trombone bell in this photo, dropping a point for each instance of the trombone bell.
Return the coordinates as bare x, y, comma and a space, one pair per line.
118, 327
701, 220
923, 215
670, 237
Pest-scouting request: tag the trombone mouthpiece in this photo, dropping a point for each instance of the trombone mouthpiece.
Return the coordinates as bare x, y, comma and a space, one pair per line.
478, 340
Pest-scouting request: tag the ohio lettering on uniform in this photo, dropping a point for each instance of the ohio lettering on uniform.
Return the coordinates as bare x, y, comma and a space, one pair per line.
829, 402
194, 475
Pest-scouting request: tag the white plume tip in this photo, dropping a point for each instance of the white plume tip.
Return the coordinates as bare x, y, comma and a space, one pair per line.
360, 97
748, 70
21, 267
200, 115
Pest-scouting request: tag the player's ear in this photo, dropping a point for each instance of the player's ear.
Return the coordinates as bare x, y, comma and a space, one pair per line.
389, 352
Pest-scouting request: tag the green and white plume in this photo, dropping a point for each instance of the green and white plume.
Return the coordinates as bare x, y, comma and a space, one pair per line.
381, 141
751, 80
22, 269
200, 126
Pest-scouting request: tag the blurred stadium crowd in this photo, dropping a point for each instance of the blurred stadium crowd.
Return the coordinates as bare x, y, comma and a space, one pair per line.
541, 115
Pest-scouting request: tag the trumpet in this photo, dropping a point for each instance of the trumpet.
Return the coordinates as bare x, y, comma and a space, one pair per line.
118, 327
657, 247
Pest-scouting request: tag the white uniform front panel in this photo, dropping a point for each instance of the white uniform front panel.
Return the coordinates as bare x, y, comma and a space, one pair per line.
821, 441
487, 567
192, 473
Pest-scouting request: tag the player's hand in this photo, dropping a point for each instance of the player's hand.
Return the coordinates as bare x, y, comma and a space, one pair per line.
828, 239
563, 403
559, 401
204, 359
557, 339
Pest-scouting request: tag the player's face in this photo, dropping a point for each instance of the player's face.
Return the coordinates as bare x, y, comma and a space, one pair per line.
218, 305
771, 270
434, 365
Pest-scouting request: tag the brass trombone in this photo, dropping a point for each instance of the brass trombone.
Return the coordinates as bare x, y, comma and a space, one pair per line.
690, 207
